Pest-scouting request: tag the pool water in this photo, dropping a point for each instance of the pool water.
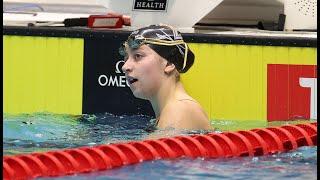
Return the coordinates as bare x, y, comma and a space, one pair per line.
43, 132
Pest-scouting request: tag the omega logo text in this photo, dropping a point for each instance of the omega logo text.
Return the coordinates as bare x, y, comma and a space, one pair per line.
114, 80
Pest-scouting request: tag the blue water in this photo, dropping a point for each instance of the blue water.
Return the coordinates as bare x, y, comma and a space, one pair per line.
42, 132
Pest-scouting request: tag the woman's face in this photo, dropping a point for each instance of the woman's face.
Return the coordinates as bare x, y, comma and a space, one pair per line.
144, 70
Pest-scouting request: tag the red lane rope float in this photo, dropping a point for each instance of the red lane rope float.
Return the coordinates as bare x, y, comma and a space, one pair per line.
254, 142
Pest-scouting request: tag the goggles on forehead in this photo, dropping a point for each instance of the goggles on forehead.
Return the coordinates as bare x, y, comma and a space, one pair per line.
135, 43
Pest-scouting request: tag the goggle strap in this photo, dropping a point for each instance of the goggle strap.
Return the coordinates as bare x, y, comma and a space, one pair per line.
165, 43
185, 56
173, 44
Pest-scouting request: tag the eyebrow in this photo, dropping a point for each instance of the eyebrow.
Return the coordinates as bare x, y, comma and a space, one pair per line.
140, 50
136, 50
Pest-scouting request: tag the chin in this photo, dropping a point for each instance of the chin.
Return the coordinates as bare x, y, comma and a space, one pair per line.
139, 95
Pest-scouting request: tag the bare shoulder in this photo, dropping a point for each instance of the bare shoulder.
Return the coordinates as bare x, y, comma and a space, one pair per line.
185, 114
194, 115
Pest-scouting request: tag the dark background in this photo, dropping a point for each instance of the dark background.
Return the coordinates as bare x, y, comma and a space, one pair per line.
100, 57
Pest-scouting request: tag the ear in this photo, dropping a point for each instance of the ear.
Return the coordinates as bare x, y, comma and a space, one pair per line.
169, 68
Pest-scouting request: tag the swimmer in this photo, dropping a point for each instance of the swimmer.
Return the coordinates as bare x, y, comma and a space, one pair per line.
154, 58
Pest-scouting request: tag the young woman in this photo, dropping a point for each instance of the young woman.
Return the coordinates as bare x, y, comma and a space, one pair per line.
154, 58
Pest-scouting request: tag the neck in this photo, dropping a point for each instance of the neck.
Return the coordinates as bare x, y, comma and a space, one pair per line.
169, 90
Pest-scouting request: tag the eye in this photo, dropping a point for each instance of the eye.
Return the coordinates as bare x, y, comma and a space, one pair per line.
137, 56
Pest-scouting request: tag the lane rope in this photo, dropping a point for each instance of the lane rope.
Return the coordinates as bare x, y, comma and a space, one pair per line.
255, 142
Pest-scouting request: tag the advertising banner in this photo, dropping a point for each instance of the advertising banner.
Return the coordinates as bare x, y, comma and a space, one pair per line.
105, 88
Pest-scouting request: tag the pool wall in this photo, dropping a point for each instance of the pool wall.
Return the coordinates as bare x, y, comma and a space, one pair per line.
76, 71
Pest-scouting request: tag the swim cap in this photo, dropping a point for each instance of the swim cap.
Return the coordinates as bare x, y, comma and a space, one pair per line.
164, 40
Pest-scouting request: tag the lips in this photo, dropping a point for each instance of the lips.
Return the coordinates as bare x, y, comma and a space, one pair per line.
131, 80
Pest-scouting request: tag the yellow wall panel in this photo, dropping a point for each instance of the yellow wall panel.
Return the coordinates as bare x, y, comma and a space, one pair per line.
198, 76
42, 74
257, 101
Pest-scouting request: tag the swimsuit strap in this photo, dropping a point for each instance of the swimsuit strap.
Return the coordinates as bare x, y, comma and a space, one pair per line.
157, 122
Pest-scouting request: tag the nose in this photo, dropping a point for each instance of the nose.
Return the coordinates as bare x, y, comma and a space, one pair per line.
127, 66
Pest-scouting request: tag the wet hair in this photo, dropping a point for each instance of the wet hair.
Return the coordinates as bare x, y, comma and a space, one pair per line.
165, 41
